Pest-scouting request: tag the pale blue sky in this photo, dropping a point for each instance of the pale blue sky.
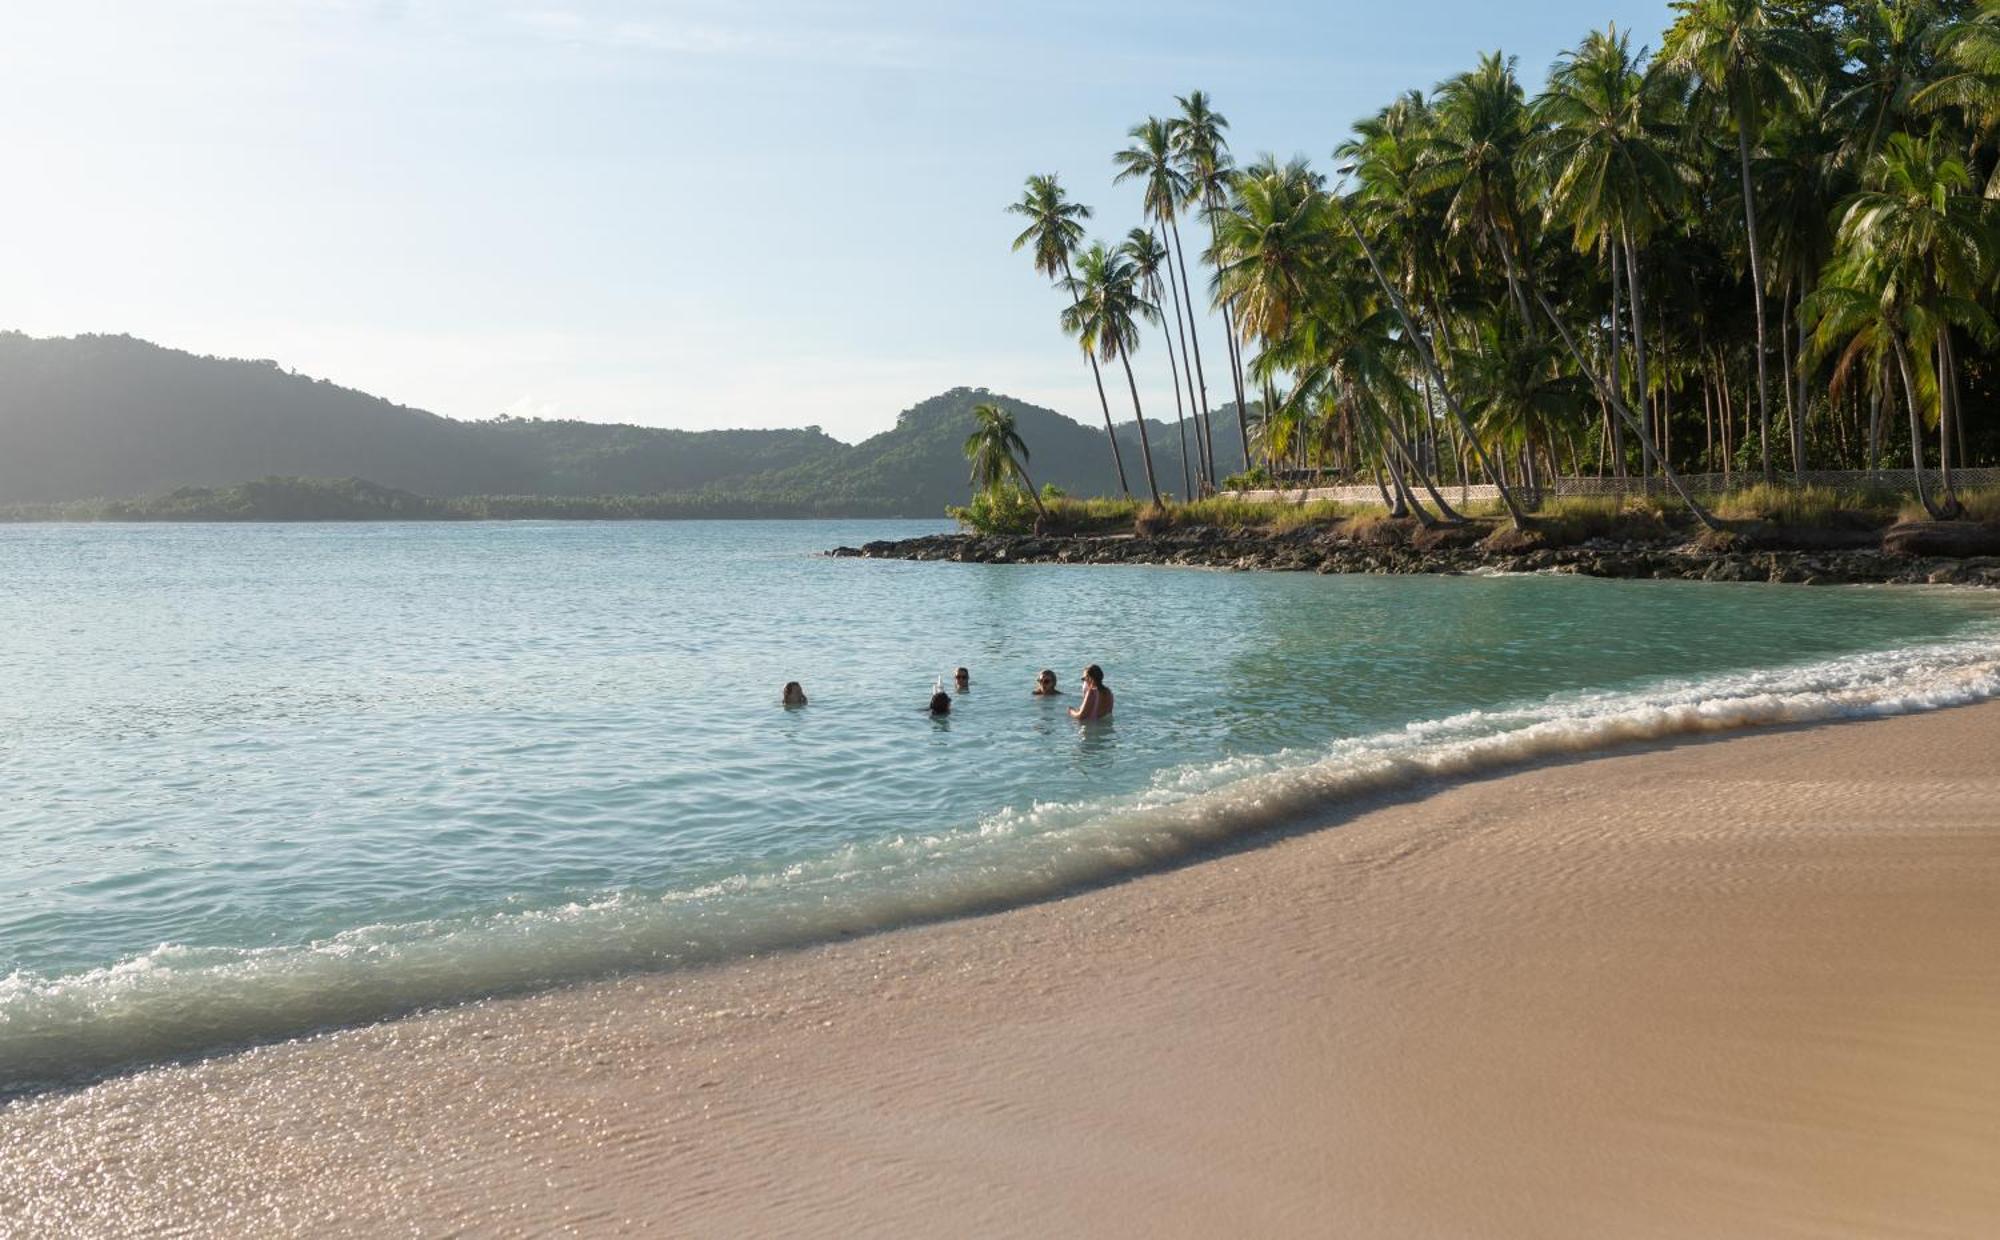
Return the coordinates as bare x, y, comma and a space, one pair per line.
685, 214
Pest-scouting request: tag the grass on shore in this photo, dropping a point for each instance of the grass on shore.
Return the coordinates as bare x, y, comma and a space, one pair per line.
1558, 519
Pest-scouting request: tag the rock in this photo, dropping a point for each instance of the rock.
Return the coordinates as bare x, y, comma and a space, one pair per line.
1952, 538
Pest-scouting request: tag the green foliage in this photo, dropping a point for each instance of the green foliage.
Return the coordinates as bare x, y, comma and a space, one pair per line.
1817, 507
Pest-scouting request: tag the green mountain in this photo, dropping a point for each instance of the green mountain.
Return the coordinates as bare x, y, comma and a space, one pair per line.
114, 417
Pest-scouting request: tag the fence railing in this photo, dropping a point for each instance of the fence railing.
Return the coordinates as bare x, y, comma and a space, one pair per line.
1902, 480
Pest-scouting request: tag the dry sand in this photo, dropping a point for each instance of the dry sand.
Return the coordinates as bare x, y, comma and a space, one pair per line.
1737, 988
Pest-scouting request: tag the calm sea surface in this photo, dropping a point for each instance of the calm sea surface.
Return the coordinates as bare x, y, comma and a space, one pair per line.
264, 778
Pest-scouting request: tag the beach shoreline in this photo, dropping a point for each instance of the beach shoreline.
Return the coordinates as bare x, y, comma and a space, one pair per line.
1801, 557
1726, 986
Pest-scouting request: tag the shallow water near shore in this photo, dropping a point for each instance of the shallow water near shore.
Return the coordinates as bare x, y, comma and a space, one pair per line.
268, 778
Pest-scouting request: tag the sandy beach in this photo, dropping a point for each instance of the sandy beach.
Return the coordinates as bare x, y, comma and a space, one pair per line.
1739, 987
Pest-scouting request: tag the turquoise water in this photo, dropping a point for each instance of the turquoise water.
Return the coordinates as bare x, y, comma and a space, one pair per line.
266, 778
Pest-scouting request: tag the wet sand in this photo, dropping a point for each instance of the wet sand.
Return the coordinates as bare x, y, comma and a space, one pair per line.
1747, 987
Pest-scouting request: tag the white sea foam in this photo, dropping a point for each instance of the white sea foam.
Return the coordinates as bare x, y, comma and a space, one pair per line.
175, 1001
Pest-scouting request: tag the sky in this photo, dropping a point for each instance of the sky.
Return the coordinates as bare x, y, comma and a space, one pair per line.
693, 214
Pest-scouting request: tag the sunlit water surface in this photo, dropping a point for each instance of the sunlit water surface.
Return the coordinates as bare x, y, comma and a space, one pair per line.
264, 778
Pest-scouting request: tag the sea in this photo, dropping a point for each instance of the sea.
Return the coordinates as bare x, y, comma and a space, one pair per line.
261, 780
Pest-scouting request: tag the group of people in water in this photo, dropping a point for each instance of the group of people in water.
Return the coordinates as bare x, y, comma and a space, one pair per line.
1096, 703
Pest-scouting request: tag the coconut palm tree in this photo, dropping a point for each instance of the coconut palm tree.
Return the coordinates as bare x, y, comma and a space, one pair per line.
999, 455
1148, 255
1054, 230
1606, 159
1150, 159
1473, 156
1922, 244
1103, 318
1747, 58
1204, 153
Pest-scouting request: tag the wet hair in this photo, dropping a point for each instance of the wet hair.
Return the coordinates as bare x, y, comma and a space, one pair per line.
963, 673
1047, 673
940, 703
1095, 675
795, 693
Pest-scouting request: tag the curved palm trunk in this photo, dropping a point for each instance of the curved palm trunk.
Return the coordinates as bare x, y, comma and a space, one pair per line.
1033, 494
1916, 429
1423, 349
1756, 294
1614, 347
1638, 325
1235, 345
1188, 473
1138, 415
1617, 403
1947, 419
1097, 376
1201, 375
1423, 476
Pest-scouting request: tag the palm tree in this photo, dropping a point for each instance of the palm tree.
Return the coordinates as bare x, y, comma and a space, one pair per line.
1107, 301
1204, 154
999, 455
1746, 57
1150, 160
1473, 155
1603, 153
1054, 230
1922, 245
1149, 254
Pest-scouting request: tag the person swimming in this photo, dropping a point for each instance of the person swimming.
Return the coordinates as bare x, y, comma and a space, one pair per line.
795, 693
1045, 684
962, 679
940, 703
1097, 697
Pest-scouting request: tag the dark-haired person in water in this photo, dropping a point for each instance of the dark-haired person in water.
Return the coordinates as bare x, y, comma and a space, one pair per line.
962, 679
1096, 702
795, 693
1045, 684
940, 703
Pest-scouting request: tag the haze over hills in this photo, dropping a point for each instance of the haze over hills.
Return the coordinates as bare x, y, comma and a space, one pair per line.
95, 417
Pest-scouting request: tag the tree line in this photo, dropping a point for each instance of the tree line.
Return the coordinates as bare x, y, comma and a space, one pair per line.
1753, 250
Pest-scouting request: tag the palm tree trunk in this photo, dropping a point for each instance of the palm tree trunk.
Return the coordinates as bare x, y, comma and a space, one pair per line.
1638, 321
1423, 476
1229, 331
1875, 427
1756, 293
1174, 296
1139, 416
1795, 408
1798, 373
1097, 375
1617, 403
1033, 494
1617, 379
1945, 419
1194, 336
1422, 346
1916, 429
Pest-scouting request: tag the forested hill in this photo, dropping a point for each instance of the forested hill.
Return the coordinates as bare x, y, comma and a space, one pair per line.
115, 417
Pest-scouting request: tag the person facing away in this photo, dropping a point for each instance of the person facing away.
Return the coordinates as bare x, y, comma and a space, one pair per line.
1045, 684
940, 703
795, 694
962, 679
1096, 703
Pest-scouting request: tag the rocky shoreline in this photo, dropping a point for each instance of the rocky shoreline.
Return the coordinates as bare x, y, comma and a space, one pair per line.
1880, 562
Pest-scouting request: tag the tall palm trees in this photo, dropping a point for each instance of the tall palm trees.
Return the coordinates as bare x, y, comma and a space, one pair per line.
1921, 246
1583, 269
1746, 57
1148, 254
1053, 231
1603, 152
1204, 154
1151, 161
1103, 318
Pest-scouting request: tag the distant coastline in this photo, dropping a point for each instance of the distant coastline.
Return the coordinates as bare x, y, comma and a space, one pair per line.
355, 499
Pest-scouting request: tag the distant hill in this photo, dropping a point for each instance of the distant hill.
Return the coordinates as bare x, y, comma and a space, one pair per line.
113, 417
